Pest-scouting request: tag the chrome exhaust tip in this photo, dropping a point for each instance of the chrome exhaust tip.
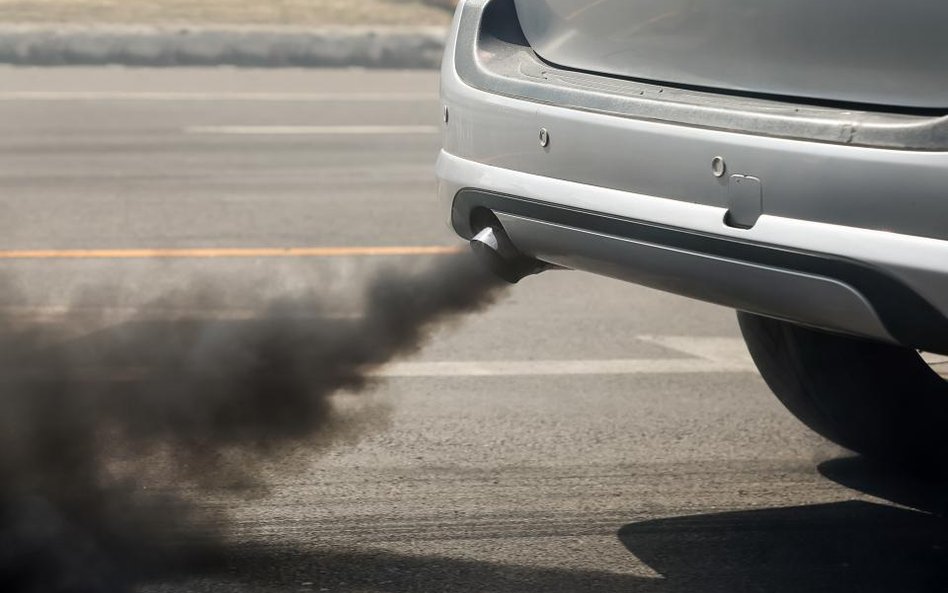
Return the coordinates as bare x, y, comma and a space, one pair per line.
495, 250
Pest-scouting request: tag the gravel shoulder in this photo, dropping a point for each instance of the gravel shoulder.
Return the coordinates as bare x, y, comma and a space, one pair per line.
300, 13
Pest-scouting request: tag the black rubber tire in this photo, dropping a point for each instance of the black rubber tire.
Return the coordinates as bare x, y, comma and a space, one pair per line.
876, 399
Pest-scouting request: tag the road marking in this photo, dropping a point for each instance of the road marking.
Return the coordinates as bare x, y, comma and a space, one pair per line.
314, 130
709, 355
731, 359
212, 97
226, 252
723, 350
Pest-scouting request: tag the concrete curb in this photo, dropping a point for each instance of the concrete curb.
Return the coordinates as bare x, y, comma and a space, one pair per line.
375, 47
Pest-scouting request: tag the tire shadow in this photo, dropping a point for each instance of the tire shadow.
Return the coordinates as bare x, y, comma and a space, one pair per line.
852, 546
929, 494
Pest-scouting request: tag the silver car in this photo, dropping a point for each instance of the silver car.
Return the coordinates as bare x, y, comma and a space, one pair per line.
786, 159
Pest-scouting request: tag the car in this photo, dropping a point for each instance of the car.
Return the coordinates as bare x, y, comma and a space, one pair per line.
785, 159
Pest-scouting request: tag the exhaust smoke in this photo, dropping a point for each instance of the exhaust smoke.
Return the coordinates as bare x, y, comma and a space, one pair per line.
106, 442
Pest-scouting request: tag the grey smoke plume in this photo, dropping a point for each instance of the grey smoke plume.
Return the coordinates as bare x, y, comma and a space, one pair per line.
96, 435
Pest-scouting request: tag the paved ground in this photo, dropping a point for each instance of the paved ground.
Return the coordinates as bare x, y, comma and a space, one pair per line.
648, 458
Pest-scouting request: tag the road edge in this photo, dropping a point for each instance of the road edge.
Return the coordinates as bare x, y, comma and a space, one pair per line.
132, 45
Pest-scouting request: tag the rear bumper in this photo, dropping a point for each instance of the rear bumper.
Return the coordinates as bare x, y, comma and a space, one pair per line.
847, 238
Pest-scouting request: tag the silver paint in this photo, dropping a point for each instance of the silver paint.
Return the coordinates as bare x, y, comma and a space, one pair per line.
896, 190
744, 201
492, 58
868, 51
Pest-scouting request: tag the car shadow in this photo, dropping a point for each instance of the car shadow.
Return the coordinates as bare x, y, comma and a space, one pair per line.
282, 568
842, 547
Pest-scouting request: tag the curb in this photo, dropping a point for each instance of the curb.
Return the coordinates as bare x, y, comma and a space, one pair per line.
375, 47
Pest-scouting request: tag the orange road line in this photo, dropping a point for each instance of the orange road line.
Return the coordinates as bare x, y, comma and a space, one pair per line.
209, 253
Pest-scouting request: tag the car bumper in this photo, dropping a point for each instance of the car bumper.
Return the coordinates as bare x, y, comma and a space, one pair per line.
834, 235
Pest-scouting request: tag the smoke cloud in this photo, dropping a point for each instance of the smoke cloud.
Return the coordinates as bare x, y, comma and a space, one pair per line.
100, 436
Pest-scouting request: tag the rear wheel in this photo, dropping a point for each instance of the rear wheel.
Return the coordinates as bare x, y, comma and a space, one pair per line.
884, 401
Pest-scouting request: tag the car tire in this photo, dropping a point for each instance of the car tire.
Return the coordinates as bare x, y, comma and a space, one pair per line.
877, 399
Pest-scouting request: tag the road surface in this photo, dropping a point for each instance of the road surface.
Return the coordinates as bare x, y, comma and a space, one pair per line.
581, 435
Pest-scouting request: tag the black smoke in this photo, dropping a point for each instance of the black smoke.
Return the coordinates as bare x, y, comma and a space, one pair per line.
109, 440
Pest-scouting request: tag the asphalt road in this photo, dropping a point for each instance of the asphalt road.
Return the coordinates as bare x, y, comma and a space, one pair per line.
581, 435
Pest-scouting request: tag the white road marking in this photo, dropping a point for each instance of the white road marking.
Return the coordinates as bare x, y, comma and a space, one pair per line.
313, 130
213, 97
710, 355
731, 351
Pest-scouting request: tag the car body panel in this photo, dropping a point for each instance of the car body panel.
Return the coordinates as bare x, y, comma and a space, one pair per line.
901, 191
879, 52
849, 238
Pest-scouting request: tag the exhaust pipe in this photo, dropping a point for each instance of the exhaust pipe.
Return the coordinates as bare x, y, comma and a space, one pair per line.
494, 249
